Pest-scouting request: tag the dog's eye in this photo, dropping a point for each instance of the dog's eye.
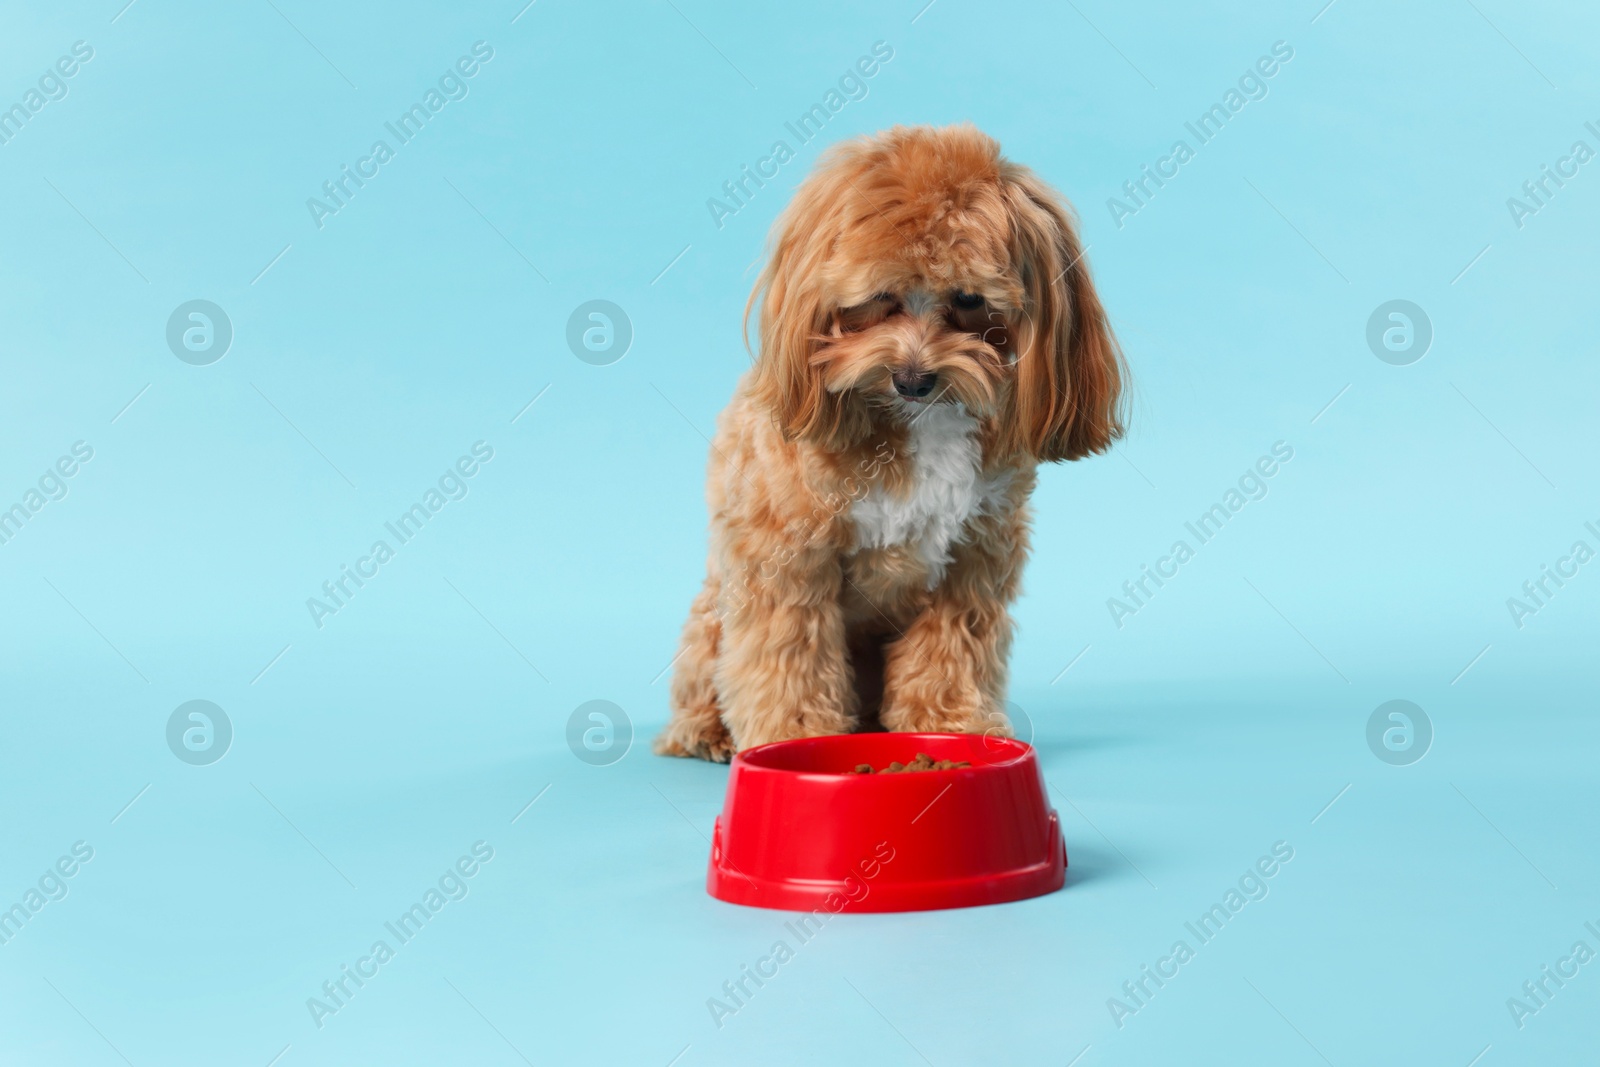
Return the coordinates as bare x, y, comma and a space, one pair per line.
858, 318
967, 301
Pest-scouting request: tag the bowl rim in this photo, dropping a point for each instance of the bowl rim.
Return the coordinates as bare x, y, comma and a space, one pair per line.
749, 761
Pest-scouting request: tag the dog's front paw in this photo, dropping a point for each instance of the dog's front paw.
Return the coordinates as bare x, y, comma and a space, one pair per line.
713, 745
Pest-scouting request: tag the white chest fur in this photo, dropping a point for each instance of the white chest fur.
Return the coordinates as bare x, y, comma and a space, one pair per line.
947, 488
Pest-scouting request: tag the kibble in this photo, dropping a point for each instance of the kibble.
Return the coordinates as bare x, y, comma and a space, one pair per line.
923, 762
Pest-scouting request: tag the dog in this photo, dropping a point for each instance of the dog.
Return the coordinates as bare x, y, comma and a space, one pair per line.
928, 336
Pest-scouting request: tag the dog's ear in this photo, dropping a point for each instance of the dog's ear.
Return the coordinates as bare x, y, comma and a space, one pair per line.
794, 323
1068, 389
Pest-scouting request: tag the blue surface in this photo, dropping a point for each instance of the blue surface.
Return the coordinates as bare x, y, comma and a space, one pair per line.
369, 754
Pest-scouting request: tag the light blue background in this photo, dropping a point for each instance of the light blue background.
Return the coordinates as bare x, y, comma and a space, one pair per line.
422, 718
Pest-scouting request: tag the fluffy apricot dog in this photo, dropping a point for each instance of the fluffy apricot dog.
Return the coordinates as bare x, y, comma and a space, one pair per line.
929, 336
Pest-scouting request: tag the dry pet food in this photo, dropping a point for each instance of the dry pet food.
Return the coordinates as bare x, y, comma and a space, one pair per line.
923, 762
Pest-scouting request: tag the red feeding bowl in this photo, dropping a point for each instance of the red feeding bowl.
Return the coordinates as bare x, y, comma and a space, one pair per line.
800, 832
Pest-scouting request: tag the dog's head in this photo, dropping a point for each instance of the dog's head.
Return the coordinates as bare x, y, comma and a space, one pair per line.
919, 267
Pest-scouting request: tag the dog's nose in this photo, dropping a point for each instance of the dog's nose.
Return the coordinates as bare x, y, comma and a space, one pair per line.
914, 385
